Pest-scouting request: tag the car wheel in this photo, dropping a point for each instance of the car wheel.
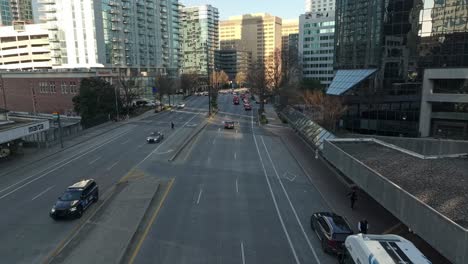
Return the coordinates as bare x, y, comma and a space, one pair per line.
324, 245
79, 212
96, 197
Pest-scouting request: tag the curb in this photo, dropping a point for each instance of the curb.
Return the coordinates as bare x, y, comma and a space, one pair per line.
125, 252
187, 141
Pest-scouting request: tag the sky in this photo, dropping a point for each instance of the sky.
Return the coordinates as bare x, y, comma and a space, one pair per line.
283, 8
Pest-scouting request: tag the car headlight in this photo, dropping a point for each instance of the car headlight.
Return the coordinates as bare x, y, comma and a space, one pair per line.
52, 210
72, 209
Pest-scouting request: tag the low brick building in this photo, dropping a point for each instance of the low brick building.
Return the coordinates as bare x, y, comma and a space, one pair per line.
43, 91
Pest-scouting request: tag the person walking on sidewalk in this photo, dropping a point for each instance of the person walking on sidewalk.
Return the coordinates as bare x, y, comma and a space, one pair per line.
172, 125
363, 226
352, 197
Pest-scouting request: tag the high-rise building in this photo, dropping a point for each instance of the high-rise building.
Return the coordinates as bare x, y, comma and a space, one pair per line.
259, 34
199, 38
15, 10
233, 62
319, 5
316, 45
289, 26
140, 36
383, 52
24, 46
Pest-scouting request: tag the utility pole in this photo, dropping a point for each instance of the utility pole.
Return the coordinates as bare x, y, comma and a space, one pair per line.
57, 115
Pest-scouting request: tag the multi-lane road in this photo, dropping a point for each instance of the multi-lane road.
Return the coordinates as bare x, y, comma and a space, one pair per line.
236, 196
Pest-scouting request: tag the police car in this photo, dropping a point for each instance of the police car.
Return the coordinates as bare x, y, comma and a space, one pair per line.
75, 200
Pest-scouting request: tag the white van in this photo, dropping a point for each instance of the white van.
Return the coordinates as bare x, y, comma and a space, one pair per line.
381, 249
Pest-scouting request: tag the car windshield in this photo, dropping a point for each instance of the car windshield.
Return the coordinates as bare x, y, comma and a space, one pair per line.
70, 195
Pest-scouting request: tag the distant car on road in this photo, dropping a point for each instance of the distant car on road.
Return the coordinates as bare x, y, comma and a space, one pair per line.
331, 229
229, 124
75, 200
180, 105
155, 137
247, 107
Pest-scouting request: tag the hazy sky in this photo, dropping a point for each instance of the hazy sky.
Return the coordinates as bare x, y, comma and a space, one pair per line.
282, 8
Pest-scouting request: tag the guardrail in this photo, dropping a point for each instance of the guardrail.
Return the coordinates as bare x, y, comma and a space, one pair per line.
449, 238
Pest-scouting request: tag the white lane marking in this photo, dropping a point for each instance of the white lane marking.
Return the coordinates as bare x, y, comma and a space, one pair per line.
290, 203
214, 141
164, 152
139, 146
237, 186
235, 155
113, 165
124, 142
55, 168
291, 177
274, 200
236, 131
199, 195
242, 252
219, 129
94, 160
41, 193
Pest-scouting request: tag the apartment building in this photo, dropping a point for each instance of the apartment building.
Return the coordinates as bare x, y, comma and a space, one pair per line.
200, 38
259, 34
319, 5
24, 46
316, 45
137, 36
15, 10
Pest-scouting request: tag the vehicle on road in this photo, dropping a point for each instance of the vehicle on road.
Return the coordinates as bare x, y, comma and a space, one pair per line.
75, 199
180, 105
331, 229
247, 107
155, 137
372, 249
229, 124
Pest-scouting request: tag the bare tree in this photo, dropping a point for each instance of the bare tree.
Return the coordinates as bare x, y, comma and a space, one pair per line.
241, 78
129, 90
327, 110
164, 85
273, 71
188, 82
219, 78
258, 82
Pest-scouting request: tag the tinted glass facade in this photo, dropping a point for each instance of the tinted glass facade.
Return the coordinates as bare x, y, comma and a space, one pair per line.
400, 38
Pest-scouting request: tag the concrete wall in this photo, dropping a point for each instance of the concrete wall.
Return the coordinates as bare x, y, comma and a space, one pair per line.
423, 146
450, 239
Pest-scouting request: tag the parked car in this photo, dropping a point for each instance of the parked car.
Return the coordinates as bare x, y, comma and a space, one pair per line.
247, 107
331, 229
75, 200
155, 137
229, 124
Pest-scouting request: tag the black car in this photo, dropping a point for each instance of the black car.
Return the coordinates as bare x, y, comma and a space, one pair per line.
155, 137
331, 229
229, 124
75, 199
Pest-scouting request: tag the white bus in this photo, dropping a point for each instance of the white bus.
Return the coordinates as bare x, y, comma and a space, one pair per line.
381, 249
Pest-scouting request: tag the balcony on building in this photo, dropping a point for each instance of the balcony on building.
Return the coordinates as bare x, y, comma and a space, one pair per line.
114, 3
46, 2
114, 11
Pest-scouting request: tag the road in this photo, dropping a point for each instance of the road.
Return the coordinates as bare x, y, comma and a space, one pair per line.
238, 196
28, 235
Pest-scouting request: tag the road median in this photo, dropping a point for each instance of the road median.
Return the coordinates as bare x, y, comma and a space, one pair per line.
188, 140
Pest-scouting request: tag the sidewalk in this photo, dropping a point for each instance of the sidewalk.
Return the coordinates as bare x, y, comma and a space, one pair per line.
327, 181
32, 155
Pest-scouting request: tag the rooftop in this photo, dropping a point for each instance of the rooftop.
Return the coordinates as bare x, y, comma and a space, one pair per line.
441, 183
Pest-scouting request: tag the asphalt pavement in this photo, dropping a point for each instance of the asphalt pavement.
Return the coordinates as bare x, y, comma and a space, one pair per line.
28, 234
238, 197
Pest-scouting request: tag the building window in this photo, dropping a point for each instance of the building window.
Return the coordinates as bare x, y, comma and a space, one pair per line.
52, 87
64, 87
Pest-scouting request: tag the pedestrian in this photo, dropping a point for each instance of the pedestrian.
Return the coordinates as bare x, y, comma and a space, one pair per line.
172, 125
363, 226
352, 197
